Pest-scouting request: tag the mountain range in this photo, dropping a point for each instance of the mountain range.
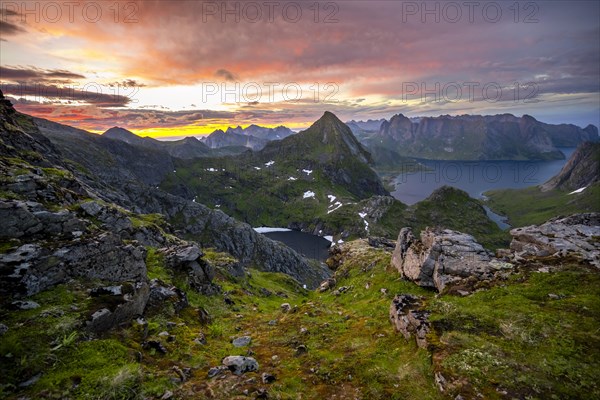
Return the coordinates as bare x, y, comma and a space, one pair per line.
253, 137
475, 137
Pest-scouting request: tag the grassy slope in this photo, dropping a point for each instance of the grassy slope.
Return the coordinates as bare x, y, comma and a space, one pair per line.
531, 206
512, 338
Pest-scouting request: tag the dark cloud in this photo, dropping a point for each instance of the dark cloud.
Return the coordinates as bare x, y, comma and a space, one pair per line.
93, 96
33, 74
227, 75
8, 29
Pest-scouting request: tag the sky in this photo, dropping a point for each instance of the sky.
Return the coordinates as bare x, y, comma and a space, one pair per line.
169, 69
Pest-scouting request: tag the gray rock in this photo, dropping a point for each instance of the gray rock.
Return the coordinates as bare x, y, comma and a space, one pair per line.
242, 341
124, 306
285, 307
32, 268
267, 378
162, 294
3, 329
408, 319
442, 259
575, 236
240, 365
215, 371
25, 305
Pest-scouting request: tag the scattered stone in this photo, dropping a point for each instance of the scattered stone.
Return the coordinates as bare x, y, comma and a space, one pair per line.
301, 349
217, 371
242, 341
24, 305
285, 307
228, 301
3, 329
268, 378
327, 284
167, 395
162, 294
156, 345
30, 381
408, 319
261, 393
204, 316
201, 339
164, 333
272, 322
265, 292
304, 331
240, 365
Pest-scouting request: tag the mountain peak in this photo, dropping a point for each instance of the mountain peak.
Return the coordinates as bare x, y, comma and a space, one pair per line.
116, 132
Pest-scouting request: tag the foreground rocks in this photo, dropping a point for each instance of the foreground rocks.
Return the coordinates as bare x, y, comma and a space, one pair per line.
573, 236
408, 319
443, 259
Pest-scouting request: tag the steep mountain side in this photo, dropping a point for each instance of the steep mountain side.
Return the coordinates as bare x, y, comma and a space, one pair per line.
581, 170
126, 175
474, 137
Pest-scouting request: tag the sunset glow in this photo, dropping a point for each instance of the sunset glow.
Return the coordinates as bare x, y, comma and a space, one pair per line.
172, 69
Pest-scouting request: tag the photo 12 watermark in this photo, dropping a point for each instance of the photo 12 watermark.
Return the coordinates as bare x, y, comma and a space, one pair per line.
54, 12
491, 92
268, 92
453, 12
326, 12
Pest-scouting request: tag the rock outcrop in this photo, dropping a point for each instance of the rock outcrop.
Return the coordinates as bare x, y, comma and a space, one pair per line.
573, 236
408, 319
442, 259
116, 305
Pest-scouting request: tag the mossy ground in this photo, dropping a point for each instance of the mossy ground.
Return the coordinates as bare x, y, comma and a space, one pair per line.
511, 341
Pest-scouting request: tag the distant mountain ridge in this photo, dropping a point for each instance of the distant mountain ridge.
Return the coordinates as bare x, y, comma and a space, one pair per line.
475, 137
253, 137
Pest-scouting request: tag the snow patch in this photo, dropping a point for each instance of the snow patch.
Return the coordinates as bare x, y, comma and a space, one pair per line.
578, 190
268, 164
211, 170
291, 178
330, 238
307, 171
331, 198
335, 206
257, 168
308, 194
362, 215
266, 229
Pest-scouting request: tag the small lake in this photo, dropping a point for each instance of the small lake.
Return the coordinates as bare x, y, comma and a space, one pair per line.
311, 246
475, 177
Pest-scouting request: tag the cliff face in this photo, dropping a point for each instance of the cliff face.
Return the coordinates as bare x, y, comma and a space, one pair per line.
581, 170
475, 137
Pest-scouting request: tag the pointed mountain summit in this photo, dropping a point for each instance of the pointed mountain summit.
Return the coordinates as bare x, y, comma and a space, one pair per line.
328, 145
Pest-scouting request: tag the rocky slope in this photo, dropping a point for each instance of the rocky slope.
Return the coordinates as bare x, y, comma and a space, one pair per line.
116, 172
580, 171
474, 137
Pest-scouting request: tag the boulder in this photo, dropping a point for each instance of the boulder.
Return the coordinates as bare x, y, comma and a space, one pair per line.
240, 365
117, 304
444, 258
408, 319
162, 294
241, 341
575, 235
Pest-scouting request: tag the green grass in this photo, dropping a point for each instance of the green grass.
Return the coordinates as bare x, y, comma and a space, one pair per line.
532, 206
512, 338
